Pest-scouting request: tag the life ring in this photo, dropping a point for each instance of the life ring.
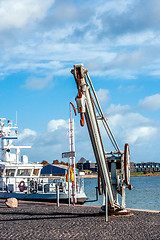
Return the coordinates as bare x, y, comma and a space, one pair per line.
127, 164
21, 186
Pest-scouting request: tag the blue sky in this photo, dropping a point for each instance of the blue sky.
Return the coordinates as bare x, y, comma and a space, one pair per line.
117, 41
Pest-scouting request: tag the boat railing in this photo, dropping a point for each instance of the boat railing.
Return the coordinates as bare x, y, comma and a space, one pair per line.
38, 184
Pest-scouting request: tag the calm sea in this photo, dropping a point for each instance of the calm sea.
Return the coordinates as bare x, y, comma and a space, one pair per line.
144, 195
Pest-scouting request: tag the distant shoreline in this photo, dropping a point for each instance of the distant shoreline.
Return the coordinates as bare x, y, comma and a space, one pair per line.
132, 175
145, 175
91, 176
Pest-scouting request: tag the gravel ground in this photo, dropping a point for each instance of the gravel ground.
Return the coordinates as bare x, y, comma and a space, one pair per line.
47, 221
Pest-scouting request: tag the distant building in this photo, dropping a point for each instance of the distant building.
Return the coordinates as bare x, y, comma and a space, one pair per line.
54, 170
80, 166
132, 166
84, 164
90, 166
80, 163
82, 160
149, 166
87, 165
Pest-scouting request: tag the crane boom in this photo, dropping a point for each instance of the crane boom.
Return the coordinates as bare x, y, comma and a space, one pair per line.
86, 106
89, 106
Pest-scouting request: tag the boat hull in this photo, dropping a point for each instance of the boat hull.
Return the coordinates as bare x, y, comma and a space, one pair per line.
45, 197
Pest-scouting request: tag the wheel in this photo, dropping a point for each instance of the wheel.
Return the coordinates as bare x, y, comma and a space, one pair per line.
127, 164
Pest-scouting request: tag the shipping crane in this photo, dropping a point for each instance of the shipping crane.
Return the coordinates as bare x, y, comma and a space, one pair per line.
89, 107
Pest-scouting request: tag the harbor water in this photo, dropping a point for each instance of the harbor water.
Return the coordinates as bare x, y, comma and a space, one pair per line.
144, 195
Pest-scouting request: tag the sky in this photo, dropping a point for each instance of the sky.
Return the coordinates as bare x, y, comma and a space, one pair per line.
117, 41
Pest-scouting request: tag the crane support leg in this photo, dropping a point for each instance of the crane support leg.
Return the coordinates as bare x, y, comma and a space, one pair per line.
98, 149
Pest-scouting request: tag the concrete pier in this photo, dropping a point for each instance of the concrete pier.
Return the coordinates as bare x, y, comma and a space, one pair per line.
47, 221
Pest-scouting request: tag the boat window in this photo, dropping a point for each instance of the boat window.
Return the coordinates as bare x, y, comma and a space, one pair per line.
35, 172
24, 172
10, 172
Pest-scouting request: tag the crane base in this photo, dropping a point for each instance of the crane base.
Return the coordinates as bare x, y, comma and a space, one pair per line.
113, 212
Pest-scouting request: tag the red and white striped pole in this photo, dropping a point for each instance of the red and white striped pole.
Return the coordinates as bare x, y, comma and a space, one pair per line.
72, 148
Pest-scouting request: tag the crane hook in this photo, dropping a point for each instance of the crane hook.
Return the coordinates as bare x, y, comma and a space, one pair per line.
82, 120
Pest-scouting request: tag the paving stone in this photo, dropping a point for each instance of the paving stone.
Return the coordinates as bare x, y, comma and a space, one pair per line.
46, 221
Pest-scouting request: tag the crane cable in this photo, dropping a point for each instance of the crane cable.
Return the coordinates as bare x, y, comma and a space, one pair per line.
99, 107
105, 127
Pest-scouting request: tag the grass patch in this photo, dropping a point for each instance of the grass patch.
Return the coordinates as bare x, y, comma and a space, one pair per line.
138, 174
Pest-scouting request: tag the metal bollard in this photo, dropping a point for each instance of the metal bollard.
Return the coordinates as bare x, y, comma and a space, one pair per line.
57, 192
106, 219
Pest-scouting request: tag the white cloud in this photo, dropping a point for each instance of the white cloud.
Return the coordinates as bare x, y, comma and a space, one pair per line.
114, 40
156, 73
128, 88
130, 39
103, 95
133, 128
135, 59
38, 83
27, 136
64, 11
112, 7
150, 103
49, 33
27, 133
18, 14
47, 145
54, 125
114, 109
127, 120
141, 135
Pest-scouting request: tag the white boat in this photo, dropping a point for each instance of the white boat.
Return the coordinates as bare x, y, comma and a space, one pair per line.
21, 179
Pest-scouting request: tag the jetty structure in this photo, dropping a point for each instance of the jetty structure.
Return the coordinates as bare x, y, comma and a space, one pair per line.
108, 161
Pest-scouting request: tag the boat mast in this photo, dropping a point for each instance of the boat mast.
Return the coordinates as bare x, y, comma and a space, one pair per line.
7, 136
72, 149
